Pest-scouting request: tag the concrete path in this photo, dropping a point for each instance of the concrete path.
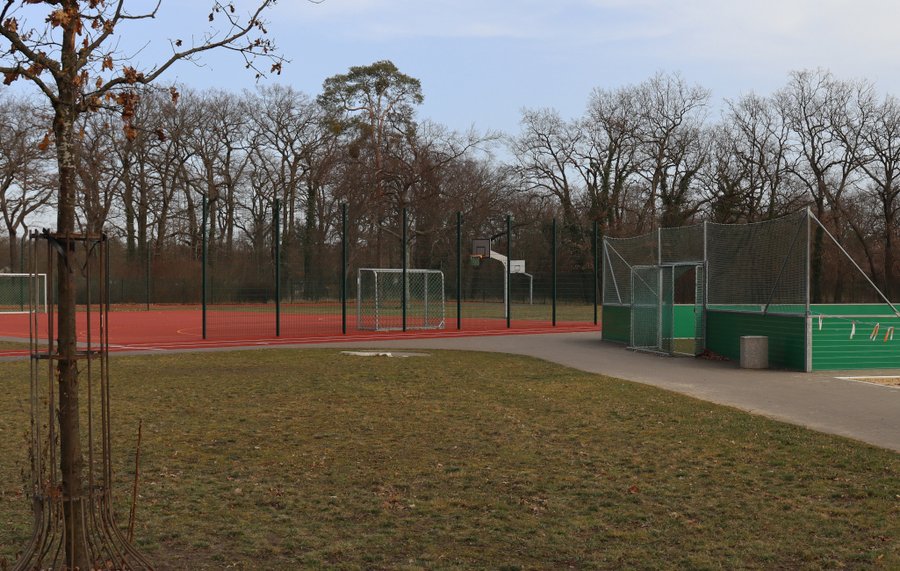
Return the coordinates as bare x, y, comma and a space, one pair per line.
866, 412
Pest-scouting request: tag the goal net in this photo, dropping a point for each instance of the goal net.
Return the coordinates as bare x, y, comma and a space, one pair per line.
18, 292
380, 299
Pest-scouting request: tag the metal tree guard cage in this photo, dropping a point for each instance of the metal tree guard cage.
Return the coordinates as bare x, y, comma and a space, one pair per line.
101, 542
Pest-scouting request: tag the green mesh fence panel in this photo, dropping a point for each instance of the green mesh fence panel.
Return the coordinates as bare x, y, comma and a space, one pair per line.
619, 256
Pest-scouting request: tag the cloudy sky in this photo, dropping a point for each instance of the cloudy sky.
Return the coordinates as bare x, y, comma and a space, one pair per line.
482, 61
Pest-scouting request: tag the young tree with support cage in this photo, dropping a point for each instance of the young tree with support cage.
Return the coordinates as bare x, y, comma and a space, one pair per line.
69, 51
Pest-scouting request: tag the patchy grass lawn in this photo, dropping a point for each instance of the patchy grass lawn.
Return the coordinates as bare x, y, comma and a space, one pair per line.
12, 345
284, 459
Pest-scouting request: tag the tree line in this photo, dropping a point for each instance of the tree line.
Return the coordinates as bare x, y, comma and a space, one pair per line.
657, 153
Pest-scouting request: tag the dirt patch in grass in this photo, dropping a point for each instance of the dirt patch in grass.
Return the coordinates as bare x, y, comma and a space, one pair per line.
313, 459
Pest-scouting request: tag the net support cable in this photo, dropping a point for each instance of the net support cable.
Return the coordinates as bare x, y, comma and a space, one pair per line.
855, 265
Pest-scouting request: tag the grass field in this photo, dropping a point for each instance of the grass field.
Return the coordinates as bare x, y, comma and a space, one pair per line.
286, 459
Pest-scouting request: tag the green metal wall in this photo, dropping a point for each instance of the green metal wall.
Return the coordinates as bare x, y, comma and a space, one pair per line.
617, 323
787, 336
833, 349
685, 322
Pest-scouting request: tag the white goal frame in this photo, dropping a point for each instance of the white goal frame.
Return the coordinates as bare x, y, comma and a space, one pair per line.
39, 294
379, 299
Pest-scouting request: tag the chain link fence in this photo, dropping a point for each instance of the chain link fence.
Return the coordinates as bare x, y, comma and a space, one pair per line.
295, 282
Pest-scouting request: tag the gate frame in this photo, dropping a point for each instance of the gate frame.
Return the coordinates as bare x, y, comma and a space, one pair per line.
700, 302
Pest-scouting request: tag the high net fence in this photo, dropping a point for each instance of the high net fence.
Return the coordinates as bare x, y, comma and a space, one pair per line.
760, 267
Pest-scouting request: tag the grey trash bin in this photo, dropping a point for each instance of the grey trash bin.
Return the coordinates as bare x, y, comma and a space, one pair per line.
754, 352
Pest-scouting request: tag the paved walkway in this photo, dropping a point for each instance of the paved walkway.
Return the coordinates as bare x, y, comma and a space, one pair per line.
866, 412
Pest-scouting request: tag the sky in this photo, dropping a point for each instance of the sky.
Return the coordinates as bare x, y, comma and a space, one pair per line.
482, 61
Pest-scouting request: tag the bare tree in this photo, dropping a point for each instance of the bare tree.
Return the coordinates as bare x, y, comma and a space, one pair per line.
881, 163
811, 105
68, 49
749, 177
99, 176
609, 153
25, 183
294, 154
550, 162
672, 114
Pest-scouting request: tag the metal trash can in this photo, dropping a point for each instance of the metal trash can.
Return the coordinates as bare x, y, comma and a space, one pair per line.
754, 352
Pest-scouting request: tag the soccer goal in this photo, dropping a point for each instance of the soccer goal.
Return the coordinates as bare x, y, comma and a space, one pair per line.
380, 299
18, 292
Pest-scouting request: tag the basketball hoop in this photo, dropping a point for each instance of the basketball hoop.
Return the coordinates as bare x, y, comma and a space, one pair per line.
475, 260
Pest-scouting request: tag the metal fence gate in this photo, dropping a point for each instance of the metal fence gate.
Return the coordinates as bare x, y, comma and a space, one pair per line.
667, 308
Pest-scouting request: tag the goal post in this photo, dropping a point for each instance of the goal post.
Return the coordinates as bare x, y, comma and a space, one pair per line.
379, 299
19, 291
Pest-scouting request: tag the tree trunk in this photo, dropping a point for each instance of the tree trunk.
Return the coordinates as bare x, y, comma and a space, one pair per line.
71, 458
890, 285
128, 199
14, 266
310, 245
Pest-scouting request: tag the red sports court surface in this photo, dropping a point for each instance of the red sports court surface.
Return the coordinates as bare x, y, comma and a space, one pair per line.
178, 329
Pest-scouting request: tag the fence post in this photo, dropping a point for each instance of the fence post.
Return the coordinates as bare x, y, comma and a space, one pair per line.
105, 281
508, 271
596, 269
203, 255
276, 223
553, 259
344, 268
458, 270
147, 273
21, 271
403, 300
